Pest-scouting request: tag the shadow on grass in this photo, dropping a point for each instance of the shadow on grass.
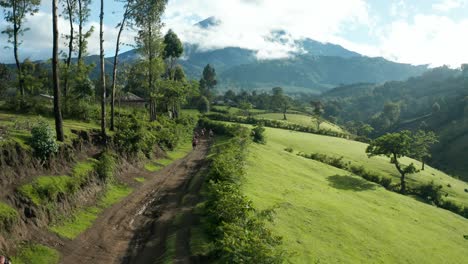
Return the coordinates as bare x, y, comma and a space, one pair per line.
344, 182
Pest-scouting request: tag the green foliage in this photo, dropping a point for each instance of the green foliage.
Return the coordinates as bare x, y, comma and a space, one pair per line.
8, 216
51, 189
129, 137
37, 254
106, 166
47, 189
395, 146
258, 134
276, 124
203, 105
430, 192
43, 141
172, 45
240, 232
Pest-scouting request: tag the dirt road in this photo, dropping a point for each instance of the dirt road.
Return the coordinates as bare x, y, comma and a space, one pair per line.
136, 230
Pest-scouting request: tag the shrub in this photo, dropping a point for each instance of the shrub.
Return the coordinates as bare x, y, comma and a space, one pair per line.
129, 136
386, 182
43, 141
258, 134
203, 105
289, 149
8, 216
80, 110
430, 192
452, 206
106, 166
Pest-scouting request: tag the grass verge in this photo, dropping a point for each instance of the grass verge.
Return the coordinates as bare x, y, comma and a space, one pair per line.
84, 218
36, 254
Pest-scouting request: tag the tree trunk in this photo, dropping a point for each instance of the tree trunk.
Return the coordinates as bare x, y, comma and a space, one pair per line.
150, 74
103, 74
114, 71
70, 49
423, 163
284, 115
16, 29
55, 75
80, 31
402, 173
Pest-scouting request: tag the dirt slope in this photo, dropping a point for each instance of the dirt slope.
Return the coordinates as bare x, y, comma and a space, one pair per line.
136, 229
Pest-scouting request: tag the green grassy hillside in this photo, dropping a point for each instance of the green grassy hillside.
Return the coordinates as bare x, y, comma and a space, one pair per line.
299, 119
327, 215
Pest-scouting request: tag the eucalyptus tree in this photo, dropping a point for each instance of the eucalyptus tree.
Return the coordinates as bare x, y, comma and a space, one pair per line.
102, 79
127, 15
147, 17
173, 49
83, 12
15, 13
69, 12
55, 74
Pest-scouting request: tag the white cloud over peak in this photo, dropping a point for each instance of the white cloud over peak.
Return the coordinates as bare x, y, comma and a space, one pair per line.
248, 23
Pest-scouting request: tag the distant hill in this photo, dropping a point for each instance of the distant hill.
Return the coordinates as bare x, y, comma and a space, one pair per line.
314, 67
437, 101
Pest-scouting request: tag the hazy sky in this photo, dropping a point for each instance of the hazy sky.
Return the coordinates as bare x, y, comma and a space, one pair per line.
412, 31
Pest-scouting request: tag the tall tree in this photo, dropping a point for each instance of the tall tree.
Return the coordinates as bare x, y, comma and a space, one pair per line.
173, 49
121, 27
103, 73
69, 11
83, 13
280, 101
394, 146
208, 82
55, 75
317, 112
147, 15
422, 142
15, 12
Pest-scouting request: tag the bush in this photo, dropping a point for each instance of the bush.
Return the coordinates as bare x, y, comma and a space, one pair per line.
106, 166
129, 136
258, 134
240, 232
289, 149
430, 192
43, 141
8, 217
81, 110
203, 105
386, 182
452, 206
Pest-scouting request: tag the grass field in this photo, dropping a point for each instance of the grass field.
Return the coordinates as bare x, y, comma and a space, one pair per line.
327, 215
300, 120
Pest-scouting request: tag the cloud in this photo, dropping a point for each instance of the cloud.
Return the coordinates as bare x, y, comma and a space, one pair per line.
37, 41
448, 5
248, 23
428, 39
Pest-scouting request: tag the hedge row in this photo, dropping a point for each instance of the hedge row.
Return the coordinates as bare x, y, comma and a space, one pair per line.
275, 124
358, 170
239, 231
429, 192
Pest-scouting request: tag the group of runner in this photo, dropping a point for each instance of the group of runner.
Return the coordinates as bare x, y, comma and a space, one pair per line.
202, 133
